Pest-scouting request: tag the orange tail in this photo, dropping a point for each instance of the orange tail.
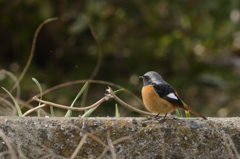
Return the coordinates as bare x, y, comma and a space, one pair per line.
194, 112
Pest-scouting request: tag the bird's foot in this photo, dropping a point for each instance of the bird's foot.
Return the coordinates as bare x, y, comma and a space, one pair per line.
152, 118
157, 117
163, 120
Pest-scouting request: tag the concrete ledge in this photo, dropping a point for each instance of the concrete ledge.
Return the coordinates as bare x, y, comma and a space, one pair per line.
34, 137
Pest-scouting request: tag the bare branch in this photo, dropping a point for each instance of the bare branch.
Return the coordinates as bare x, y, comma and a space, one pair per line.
114, 143
90, 81
19, 151
33, 109
79, 146
122, 139
72, 108
233, 146
10, 148
107, 96
4, 153
110, 144
93, 137
110, 95
229, 145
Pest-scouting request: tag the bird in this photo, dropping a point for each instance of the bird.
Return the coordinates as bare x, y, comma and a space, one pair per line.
160, 97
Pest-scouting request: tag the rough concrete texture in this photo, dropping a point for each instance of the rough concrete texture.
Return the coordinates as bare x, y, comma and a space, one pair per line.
34, 137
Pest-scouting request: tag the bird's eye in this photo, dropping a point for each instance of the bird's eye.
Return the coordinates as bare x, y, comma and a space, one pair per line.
147, 78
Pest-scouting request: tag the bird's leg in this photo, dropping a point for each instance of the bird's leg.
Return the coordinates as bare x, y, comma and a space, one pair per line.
150, 118
164, 118
157, 116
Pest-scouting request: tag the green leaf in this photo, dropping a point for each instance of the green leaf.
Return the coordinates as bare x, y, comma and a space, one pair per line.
39, 114
15, 102
118, 91
187, 114
89, 112
117, 114
69, 112
39, 86
178, 113
40, 89
52, 112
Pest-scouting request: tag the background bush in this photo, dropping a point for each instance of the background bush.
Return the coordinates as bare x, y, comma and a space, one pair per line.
194, 45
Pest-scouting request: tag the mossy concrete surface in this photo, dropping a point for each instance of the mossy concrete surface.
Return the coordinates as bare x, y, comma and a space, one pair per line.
136, 138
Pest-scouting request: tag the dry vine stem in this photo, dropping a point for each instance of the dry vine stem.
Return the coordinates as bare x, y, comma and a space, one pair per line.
79, 146
114, 143
107, 147
72, 108
32, 51
84, 81
33, 109
107, 96
7, 142
114, 155
93, 138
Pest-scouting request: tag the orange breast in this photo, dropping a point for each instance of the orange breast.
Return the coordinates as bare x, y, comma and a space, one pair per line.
154, 103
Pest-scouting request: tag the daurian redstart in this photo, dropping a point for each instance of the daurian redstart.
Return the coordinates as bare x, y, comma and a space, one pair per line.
160, 97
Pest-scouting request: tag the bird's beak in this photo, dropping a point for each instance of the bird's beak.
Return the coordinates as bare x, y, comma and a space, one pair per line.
140, 76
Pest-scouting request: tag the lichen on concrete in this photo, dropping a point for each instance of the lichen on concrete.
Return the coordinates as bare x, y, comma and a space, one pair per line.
176, 138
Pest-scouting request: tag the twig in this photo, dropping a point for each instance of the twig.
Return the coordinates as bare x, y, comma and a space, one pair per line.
110, 144
121, 139
7, 141
110, 95
93, 137
229, 144
4, 153
33, 109
79, 146
233, 146
72, 108
84, 81
29, 106
114, 143
47, 156
127, 105
19, 151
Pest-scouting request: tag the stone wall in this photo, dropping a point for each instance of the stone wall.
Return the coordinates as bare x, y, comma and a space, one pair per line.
132, 138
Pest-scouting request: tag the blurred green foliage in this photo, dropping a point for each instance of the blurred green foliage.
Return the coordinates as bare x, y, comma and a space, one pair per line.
193, 44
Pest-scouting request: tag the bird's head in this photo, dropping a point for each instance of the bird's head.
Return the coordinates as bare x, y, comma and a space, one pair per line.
152, 78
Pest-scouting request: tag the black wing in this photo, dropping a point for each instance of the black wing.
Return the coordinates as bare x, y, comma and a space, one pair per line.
165, 89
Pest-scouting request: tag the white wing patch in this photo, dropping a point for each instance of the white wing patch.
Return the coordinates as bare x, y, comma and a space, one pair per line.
172, 95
